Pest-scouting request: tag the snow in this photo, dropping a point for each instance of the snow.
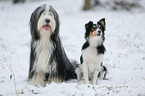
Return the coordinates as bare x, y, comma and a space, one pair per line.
125, 44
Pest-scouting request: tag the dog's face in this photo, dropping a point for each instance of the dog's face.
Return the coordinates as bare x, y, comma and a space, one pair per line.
95, 30
46, 20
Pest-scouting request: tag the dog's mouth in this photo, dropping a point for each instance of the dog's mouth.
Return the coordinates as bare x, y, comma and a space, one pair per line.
95, 34
46, 27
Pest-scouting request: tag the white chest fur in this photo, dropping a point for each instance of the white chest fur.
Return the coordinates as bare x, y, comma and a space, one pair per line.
91, 59
44, 49
43, 53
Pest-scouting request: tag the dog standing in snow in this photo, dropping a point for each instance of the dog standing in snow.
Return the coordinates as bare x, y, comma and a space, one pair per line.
92, 53
48, 60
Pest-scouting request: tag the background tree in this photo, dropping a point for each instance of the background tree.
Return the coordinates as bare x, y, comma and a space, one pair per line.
17, 1
87, 5
113, 4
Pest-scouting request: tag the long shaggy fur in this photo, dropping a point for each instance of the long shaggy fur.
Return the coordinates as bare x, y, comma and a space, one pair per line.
48, 60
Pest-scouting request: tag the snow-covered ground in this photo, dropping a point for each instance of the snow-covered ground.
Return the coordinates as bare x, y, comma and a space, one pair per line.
125, 44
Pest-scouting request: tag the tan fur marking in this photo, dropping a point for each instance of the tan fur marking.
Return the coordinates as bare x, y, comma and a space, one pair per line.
93, 34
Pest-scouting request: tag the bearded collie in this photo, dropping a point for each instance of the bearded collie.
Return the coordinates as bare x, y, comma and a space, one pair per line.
48, 60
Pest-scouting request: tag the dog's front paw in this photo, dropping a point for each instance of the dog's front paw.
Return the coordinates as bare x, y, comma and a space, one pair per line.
86, 82
94, 82
36, 82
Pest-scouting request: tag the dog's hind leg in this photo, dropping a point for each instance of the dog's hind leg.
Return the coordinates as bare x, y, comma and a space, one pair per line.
103, 72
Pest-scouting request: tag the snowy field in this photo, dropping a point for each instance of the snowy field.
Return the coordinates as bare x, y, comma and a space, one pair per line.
125, 44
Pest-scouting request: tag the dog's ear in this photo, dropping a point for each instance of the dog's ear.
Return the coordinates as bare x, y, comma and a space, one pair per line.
88, 25
102, 23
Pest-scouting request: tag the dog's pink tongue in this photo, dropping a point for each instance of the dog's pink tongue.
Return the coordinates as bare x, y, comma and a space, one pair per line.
46, 27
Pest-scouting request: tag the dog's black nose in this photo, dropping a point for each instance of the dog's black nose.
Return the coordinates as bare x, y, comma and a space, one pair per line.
47, 20
99, 31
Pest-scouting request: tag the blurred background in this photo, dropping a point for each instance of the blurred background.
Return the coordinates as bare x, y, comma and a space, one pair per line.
91, 4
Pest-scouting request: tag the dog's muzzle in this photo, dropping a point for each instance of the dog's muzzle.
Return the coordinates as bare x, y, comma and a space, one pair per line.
99, 33
47, 27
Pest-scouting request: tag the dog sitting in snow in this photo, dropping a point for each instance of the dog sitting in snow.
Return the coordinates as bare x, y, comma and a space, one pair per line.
92, 53
48, 60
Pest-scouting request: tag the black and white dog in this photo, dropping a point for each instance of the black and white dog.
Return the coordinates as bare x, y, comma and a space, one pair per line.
92, 53
48, 60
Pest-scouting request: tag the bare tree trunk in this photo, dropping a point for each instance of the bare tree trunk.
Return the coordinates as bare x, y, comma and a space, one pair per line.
87, 5
17, 1
97, 2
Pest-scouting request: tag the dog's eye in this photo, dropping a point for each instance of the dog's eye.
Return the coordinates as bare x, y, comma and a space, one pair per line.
94, 28
50, 13
44, 13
